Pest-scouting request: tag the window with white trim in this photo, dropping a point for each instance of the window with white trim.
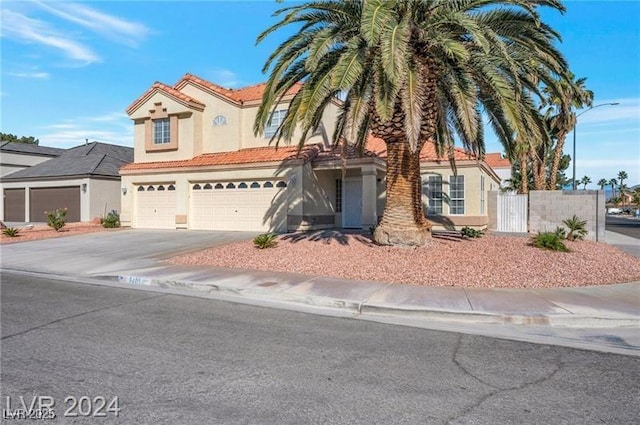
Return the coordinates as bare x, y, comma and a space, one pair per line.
274, 122
161, 133
434, 193
456, 195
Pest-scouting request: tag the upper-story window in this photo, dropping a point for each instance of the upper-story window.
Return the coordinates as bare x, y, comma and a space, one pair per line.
161, 133
219, 120
274, 122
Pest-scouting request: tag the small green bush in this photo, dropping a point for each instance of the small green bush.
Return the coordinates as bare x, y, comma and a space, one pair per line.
577, 228
111, 220
266, 240
550, 241
469, 232
12, 232
561, 232
57, 218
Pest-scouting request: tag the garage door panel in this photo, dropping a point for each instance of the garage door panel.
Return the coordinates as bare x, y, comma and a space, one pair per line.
14, 205
237, 209
43, 199
155, 209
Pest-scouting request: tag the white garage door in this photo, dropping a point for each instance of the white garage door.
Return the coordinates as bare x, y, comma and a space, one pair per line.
155, 206
239, 205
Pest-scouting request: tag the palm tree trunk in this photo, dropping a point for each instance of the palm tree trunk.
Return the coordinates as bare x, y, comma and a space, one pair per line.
524, 175
557, 156
403, 221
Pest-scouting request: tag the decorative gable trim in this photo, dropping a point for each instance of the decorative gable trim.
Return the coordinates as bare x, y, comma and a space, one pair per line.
168, 91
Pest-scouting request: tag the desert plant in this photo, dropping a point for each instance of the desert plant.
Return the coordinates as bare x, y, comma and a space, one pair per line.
12, 232
111, 220
266, 240
561, 232
550, 241
469, 232
57, 218
577, 229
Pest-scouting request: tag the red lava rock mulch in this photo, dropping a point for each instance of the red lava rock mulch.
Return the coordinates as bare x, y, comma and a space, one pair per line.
42, 231
487, 262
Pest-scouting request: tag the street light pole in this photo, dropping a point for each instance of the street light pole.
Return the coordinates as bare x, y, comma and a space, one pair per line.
575, 124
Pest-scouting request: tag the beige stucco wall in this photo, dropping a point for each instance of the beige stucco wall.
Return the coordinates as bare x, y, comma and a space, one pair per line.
98, 194
183, 179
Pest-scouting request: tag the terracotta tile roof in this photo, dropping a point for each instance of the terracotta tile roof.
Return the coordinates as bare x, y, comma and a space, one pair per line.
241, 95
428, 153
243, 156
168, 90
496, 160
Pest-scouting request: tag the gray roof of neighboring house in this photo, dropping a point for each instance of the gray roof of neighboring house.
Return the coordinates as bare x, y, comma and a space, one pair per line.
30, 148
92, 159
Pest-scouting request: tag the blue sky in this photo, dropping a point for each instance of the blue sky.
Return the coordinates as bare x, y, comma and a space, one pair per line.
69, 70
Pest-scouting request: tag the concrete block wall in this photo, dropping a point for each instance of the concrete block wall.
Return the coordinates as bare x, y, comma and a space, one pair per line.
548, 208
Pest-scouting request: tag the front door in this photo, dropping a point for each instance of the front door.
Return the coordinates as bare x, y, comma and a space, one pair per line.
352, 203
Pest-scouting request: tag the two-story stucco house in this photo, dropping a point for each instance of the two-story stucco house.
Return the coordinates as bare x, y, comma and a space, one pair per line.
198, 165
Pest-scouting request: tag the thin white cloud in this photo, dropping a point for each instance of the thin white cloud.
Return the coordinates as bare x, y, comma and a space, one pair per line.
111, 127
224, 77
118, 29
20, 27
37, 75
628, 109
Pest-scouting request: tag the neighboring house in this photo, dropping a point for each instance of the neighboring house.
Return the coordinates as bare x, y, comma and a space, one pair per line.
84, 179
500, 164
17, 156
198, 165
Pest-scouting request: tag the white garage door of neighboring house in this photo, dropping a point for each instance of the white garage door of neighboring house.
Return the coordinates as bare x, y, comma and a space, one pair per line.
242, 206
155, 206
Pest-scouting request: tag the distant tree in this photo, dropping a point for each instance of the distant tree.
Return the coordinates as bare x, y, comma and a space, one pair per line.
622, 176
623, 190
585, 181
613, 183
8, 137
602, 183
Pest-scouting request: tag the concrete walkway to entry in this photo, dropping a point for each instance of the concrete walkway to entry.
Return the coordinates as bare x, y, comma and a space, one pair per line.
134, 259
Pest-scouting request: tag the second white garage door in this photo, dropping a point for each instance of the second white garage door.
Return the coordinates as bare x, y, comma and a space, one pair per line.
243, 206
155, 206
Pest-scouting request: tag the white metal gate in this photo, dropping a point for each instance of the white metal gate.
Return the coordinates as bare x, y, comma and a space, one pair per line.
512, 213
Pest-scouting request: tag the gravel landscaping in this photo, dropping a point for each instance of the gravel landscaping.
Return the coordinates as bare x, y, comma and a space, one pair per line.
487, 262
42, 231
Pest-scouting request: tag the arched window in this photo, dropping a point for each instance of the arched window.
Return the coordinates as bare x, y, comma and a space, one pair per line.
255, 185
242, 185
231, 186
161, 187
151, 188
268, 184
281, 184
171, 187
140, 188
207, 186
218, 186
220, 120
196, 187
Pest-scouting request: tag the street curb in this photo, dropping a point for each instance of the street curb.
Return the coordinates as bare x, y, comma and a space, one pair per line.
364, 308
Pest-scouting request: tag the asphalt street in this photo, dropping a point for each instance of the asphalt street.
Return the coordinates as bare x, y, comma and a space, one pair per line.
623, 224
181, 360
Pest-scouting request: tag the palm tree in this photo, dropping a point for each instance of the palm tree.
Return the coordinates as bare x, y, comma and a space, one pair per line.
602, 183
613, 183
411, 72
585, 181
622, 176
563, 98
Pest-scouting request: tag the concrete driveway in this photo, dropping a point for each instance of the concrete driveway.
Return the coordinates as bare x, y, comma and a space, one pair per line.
103, 253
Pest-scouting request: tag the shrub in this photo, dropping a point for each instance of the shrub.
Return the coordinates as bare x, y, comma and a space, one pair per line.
577, 228
561, 232
111, 220
12, 232
550, 241
57, 218
468, 232
266, 240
